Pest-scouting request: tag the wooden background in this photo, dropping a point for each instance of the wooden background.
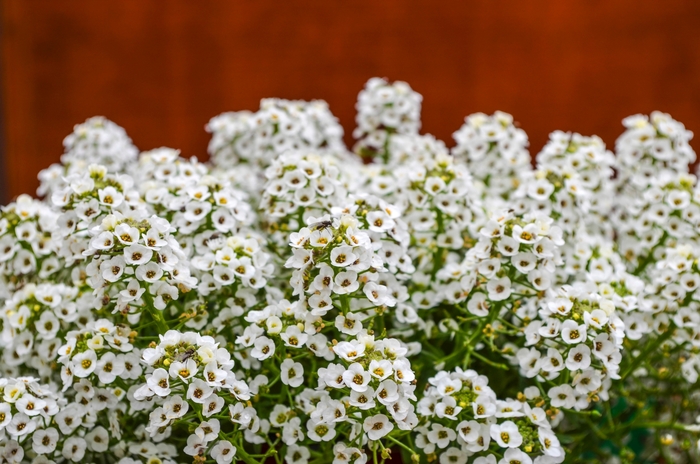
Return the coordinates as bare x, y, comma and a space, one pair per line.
162, 69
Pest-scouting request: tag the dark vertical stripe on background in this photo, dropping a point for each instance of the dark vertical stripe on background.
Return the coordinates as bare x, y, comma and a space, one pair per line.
4, 174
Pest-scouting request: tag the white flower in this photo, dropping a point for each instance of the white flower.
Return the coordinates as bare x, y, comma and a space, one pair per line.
223, 452
441, 435
454, 455
541, 189
137, 254
356, 378
345, 282
515, 456
74, 449
387, 392
110, 196
377, 426
242, 267
344, 454
30, 405
447, 407
103, 241
294, 337
149, 272
274, 325
208, 430
587, 381
320, 238
596, 318
379, 221
343, 256
550, 442
489, 267
483, 407
578, 358
403, 372
132, 291
109, 367
499, 289
380, 369
349, 351
292, 373
527, 234
562, 396
468, 430
153, 240
478, 305
44, 441
97, 439
506, 434
20, 425
5, 415
553, 362
159, 382
263, 348
573, 333
319, 431
199, 391
363, 400
378, 294
12, 452
349, 324
508, 246
183, 370
297, 455
561, 306
175, 407
540, 279
524, 262
126, 234
84, 363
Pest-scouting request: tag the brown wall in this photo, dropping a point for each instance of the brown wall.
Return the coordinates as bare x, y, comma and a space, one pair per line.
162, 68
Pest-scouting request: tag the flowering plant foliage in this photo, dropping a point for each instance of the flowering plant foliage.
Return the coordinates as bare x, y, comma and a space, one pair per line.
291, 301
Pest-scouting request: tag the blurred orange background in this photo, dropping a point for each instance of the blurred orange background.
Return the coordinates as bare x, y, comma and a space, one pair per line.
162, 69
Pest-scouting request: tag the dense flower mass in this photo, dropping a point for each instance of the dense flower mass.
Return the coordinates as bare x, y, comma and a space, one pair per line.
290, 301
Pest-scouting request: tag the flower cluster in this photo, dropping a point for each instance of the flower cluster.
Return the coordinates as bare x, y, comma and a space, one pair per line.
385, 109
468, 423
289, 301
34, 321
495, 150
29, 413
335, 258
191, 372
577, 338
572, 183
651, 147
300, 184
131, 262
96, 141
27, 250
243, 144
513, 256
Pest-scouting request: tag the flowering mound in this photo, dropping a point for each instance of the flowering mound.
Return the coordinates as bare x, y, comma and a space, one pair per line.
292, 301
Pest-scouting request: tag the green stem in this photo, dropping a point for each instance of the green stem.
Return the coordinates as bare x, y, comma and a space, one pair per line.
649, 349
479, 333
664, 425
489, 362
158, 318
650, 256
156, 314
402, 445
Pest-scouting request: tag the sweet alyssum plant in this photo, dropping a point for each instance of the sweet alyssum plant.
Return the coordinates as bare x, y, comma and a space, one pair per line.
291, 301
